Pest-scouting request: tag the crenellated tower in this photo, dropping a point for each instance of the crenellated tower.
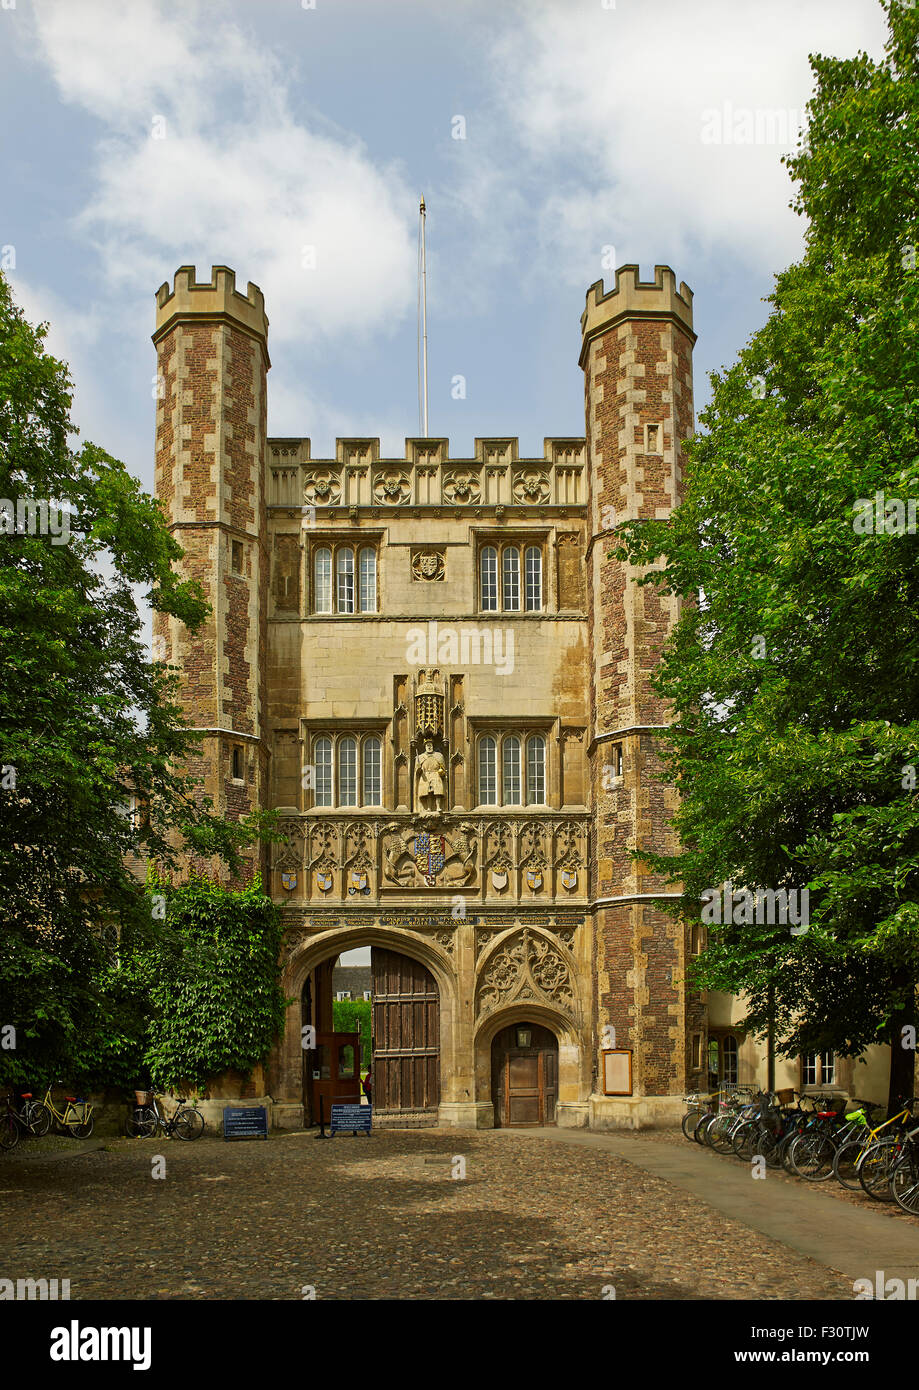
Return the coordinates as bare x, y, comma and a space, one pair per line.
637, 360
212, 353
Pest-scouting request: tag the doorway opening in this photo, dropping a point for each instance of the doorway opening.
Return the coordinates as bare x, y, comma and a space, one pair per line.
404, 1042
524, 1071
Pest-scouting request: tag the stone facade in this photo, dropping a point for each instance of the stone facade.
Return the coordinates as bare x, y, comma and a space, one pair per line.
435, 673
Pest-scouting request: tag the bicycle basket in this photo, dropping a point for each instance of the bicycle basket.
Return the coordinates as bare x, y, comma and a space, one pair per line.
786, 1096
143, 1097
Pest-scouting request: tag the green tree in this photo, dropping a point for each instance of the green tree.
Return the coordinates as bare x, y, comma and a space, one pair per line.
354, 1016
86, 718
793, 669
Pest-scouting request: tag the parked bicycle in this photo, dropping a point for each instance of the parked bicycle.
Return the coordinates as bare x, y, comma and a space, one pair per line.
76, 1118
904, 1175
9, 1125
147, 1119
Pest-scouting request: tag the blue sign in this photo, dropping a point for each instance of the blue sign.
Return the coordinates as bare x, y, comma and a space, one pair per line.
249, 1122
356, 1118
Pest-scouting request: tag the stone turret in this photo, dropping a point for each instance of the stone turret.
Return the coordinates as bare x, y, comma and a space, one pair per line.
637, 360
212, 355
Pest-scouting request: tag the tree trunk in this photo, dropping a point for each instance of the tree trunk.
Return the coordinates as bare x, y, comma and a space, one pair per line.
902, 1059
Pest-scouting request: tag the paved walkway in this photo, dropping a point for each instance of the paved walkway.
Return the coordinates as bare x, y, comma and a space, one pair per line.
857, 1240
385, 1217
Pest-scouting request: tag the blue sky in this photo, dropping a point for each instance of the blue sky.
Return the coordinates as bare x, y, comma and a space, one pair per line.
286, 126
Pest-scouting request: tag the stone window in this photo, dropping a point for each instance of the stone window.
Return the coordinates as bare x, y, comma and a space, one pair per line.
348, 769
504, 563
237, 557
237, 762
344, 581
512, 769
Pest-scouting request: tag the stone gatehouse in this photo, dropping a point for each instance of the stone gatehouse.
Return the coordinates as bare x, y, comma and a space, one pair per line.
432, 668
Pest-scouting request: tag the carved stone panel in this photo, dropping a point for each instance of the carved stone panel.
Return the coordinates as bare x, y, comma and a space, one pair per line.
571, 590
287, 574
429, 563
527, 966
322, 487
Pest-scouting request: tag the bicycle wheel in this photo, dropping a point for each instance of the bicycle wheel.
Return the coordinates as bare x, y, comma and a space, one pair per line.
904, 1182
82, 1128
811, 1157
743, 1144
718, 1134
769, 1147
699, 1132
876, 1167
140, 1124
847, 1163
691, 1119
9, 1131
189, 1123
38, 1119
184, 1126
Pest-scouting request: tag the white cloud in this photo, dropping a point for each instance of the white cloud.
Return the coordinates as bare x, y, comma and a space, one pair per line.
235, 179
612, 102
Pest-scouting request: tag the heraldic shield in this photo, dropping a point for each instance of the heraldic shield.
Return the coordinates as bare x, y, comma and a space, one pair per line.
430, 854
289, 881
358, 882
323, 880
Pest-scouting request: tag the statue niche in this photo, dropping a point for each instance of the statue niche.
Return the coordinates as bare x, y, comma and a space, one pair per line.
430, 775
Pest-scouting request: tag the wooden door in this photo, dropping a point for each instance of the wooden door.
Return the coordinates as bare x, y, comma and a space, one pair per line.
335, 1072
524, 1078
406, 1039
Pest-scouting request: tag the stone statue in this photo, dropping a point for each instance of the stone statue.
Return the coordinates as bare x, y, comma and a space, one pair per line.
430, 781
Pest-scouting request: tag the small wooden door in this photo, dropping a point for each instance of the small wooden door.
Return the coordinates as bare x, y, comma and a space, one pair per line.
406, 1038
524, 1076
335, 1073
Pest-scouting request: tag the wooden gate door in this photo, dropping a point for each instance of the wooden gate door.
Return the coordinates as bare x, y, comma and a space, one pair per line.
335, 1072
524, 1078
406, 1040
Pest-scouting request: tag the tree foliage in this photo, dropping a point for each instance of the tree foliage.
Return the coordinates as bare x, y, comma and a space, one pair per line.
793, 669
87, 719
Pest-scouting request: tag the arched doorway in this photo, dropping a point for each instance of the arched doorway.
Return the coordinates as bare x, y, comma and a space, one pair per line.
524, 1076
405, 1049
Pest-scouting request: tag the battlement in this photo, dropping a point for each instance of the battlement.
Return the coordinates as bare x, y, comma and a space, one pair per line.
217, 299
426, 475
633, 298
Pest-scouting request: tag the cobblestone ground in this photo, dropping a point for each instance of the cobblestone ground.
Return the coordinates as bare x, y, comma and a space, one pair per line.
378, 1218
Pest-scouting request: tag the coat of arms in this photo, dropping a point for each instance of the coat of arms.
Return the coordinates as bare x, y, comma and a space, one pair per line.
534, 880
429, 853
569, 880
323, 880
357, 882
499, 879
289, 881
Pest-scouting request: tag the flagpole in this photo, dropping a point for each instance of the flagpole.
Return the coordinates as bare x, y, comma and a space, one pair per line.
423, 403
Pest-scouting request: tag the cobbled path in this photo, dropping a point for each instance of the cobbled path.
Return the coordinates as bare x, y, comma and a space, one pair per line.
379, 1218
